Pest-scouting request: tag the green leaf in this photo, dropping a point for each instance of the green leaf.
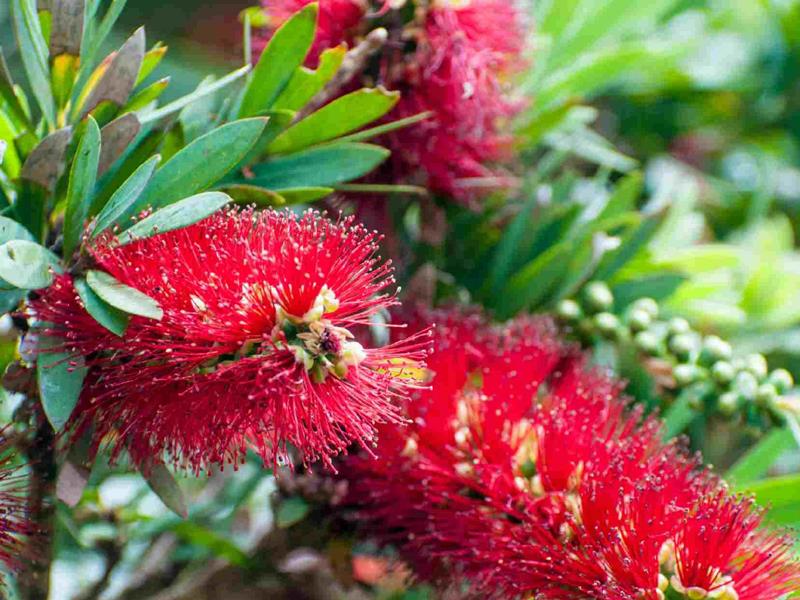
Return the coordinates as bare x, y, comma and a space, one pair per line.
631, 244
532, 284
123, 297
318, 167
82, 178
285, 52
780, 494
307, 83
199, 93
202, 163
11, 230
252, 194
60, 379
176, 216
757, 460
109, 317
151, 60
34, 53
303, 195
680, 413
218, 545
166, 488
27, 265
143, 98
368, 134
76, 470
623, 200
343, 115
658, 287
381, 188
121, 205
290, 511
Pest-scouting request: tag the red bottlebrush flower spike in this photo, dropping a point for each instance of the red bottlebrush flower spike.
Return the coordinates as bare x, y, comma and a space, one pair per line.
256, 346
524, 473
15, 524
719, 552
465, 51
456, 67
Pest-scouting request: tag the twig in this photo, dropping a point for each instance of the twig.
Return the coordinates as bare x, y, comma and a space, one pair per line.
34, 583
353, 63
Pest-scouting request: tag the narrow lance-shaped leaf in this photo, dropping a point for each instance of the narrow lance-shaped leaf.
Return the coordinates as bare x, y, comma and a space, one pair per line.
113, 319
166, 488
307, 83
45, 163
118, 80
202, 163
33, 51
177, 215
343, 115
11, 230
120, 205
324, 166
184, 101
123, 297
82, 178
75, 472
285, 52
116, 137
60, 378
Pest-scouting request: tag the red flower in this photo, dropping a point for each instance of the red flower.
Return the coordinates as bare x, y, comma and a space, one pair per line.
524, 473
455, 67
255, 348
15, 523
464, 53
335, 21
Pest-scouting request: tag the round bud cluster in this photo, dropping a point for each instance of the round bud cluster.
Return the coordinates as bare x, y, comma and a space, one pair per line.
703, 363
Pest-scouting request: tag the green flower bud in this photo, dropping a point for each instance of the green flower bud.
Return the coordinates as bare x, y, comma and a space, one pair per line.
714, 349
639, 320
746, 384
766, 394
682, 346
648, 342
782, 380
569, 311
678, 326
757, 365
728, 403
598, 297
647, 305
528, 468
607, 324
723, 372
685, 374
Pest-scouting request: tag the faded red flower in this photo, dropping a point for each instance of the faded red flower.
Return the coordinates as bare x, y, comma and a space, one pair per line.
447, 57
256, 347
16, 526
524, 473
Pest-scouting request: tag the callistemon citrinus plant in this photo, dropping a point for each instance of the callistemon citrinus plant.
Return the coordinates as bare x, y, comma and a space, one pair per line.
450, 60
255, 348
524, 473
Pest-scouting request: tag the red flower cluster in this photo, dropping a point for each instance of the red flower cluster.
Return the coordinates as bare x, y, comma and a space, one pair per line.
525, 474
256, 347
450, 59
15, 523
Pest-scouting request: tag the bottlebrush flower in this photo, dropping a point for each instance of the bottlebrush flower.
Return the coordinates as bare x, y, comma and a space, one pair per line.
15, 524
256, 347
451, 59
524, 473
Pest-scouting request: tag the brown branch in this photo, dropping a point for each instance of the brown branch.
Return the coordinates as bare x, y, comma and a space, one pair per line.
353, 64
34, 582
